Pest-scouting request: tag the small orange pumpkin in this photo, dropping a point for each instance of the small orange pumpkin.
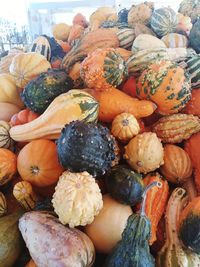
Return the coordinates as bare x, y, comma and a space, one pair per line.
177, 166
8, 165
38, 164
125, 126
23, 117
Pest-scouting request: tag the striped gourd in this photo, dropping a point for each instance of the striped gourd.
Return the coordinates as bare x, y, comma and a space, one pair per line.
176, 128
3, 205
173, 40
5, 139
163, 21
126, 38
41, 45
193, 67
140, 60
24, 194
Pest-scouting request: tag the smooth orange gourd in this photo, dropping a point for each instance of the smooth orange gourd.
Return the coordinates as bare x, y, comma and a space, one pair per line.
8, 165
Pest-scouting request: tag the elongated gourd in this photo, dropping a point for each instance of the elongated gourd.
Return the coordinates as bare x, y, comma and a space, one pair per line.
67, 107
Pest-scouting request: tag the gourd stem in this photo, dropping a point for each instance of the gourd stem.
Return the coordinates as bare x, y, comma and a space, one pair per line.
158, 184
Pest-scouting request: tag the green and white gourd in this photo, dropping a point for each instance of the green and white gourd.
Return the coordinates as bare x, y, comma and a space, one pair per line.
126, 37
193, 67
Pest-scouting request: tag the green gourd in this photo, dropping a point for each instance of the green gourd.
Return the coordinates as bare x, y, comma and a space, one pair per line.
11, 243
172, 253
133, 249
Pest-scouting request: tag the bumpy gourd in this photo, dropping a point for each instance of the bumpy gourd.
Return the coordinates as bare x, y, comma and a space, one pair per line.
173, 254
190, 8
77, 199
87, 147
193, 68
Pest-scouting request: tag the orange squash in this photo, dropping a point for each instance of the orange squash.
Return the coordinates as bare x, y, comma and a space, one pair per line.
193, 106
115, 102
177, 167
26, 66
38, 164
129, 86
125, 54
23, 117
75, 33
8, 165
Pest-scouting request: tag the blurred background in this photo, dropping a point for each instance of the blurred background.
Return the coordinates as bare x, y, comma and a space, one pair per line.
22, 21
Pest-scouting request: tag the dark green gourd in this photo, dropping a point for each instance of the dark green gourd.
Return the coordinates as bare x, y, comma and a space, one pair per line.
124, 185
133, 249
41, 91
123, 15
87, 147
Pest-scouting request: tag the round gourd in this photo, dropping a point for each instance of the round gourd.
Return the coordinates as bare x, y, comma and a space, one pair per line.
103, 69
3, 205
174, 40
26, 66
193, 68
184, 23
195, 36
177, 167
144, 153
126, 37
167, 85
140, 13
77, 199
61, 31
163, 21
23, 117
106, 229
8, 165
7, 110
8, 90
125, 127
146, 41
42, 46
38, 163
5, 139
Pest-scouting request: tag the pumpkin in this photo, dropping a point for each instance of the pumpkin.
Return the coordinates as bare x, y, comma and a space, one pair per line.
7, 110
133, 248
75, 75
146, 41
126, 37
192, 66
177, 167
115, 102
174, 40
42, 46
25, 195
190, 8
87, 147
189, 225
163, 21
156, 201
167, 85
6, 61
80, 20
34, 167
106, 229
5, 139
140, 13
75, 33
193, 106
26, 66
144, 153
23, 117
8, 165
173, 253
77, 199
12, 246
103, 69
31, 263
41, 91
124, 185
67, 107
61, 31
194, 36
3, 205
184, 23
125, 127
8, 90
176, 128
101, 38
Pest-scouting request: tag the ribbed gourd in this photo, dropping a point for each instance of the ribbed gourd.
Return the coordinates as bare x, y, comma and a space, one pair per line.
173, 40
5, 139
103, 69
176, 128
167, 85
173, 253
126, 37
190, 8
193, 67
133, 248
163, 21
87, 147
3, 205
24, 194
41, 91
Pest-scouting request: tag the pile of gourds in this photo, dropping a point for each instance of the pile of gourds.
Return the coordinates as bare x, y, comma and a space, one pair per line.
100, 142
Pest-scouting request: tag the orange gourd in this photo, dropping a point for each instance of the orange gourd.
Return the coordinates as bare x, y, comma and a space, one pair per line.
75, 33
8, 165
156, 202
125, 54
115, 102
193, 106
177, 167
23, 117
80, 20
38, 164
31, 263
